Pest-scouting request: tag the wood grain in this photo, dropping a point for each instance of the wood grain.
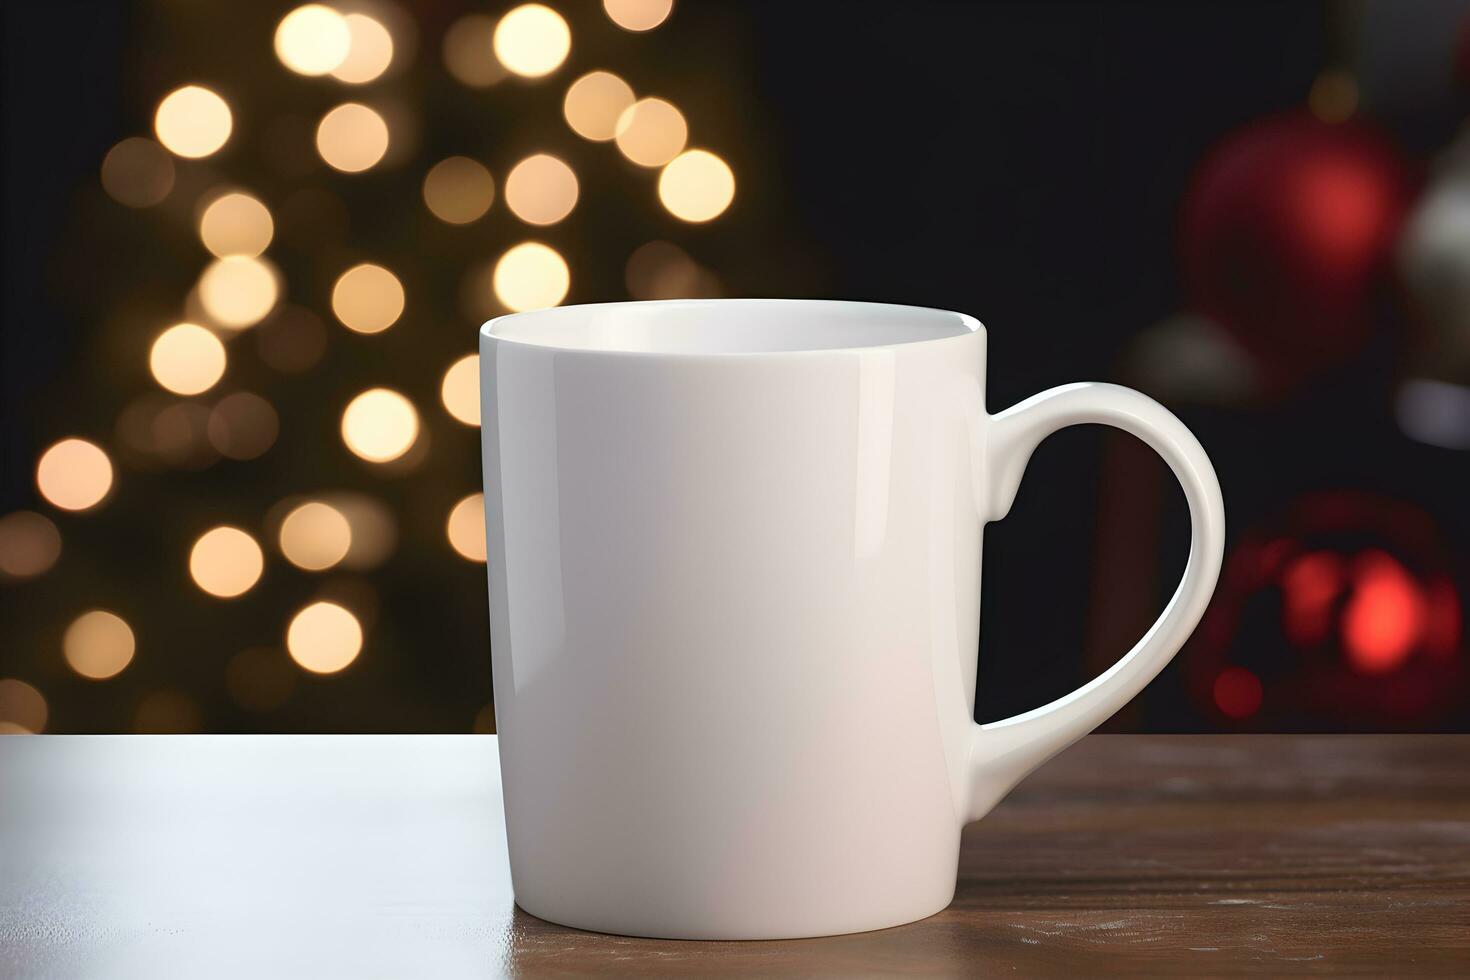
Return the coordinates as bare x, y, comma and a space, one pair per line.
1158, 855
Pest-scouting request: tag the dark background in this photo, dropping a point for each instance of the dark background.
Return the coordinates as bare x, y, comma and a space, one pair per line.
1026, 163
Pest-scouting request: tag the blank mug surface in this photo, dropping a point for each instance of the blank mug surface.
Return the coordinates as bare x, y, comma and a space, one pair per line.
734, 560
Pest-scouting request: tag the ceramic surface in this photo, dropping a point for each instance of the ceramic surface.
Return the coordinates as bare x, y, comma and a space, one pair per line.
734, 561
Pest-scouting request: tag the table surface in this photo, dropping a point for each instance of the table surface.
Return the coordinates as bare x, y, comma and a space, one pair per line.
384, 856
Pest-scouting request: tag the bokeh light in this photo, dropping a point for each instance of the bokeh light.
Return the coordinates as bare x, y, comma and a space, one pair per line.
369, 52
29, 544
238, 291
594, 103
259, 679
98, 645
1237, 692
638, 15
137, 172
180, 436
541, 190
484, 723
469, 47
226, 562
315, 536
663, 270
236, 224
1334, 96
458, 190
1384, 620
242, 426
531, 276
367, 298
291, 341
651, 132
167, 712
352, 137
187, 359
324, 638
374, 532
380, 425
192, 122
22, 708
74, 474
312, 39
460, 389
532, 40
696, 186
466, 527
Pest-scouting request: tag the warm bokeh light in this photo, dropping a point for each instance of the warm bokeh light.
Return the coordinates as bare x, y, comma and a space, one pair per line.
74, 474
651, 132
380, 425
236, 224
663, 270
469, 47
477, 300
29, 544
187, 359
374, 532
638, 15
192, 122
466, 527
22, 708
180, 436
532, 40
458, 190
696, 186
594, 103
460, 389
167, 712
324, 638
352, 137
1334, 96
98, 645
137, 172
541, 190
369, 53
315, 536
291, 341
531, 276
226, 562
367, 298
259, 679
243, 425
312, 39
238, 291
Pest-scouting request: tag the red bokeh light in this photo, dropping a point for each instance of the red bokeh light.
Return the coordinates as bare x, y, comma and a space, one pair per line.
1237, 692
1349, 609
1385, 617
1311, 583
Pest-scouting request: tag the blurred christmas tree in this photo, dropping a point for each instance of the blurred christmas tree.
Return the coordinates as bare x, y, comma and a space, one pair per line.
259, 486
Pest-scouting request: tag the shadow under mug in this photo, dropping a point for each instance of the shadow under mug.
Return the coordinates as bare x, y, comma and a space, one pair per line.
734, 560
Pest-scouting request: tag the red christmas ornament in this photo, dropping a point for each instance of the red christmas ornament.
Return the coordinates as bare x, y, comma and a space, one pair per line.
1286, 228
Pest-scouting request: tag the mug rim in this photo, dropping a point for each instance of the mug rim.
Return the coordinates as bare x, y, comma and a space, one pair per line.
495, 329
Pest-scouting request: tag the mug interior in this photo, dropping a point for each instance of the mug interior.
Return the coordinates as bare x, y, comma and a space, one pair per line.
729, 326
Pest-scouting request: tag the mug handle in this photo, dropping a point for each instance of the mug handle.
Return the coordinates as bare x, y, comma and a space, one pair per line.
1003, 752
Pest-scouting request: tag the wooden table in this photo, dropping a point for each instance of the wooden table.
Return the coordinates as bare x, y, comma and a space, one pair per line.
368, 856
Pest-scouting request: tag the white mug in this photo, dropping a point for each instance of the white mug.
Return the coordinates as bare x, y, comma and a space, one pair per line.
734, 561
